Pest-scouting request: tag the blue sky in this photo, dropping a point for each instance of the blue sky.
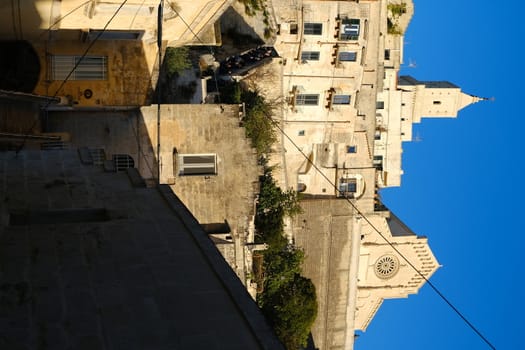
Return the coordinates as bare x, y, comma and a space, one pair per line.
462, 186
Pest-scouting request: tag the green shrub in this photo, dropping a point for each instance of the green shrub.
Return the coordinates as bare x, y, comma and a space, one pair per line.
176, 60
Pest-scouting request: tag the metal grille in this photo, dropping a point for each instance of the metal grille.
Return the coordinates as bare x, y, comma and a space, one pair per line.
87, 68
123, 162
98, 155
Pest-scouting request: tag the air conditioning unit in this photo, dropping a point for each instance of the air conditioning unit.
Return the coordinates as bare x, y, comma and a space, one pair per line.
350, 29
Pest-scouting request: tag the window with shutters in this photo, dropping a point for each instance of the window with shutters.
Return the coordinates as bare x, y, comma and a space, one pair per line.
196, 164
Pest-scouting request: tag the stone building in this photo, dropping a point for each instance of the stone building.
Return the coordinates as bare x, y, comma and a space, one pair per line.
97, 54
205, 158
93, 65
91, 259
345, 114
354, 267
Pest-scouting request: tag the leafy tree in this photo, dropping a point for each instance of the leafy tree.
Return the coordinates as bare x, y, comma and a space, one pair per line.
176, 60
272, 207
281, 266
258, 120
292, 310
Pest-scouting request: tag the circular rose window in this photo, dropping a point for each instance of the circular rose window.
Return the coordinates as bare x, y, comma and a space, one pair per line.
386, 266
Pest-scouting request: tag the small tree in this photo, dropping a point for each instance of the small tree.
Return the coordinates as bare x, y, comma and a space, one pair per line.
176, 60
292, 310
281, 266
258, 120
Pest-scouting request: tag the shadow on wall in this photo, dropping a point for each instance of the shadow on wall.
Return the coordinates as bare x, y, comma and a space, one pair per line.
237, 32
111, 134
19, 66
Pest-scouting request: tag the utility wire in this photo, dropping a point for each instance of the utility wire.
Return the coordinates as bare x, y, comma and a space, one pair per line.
71, 72
204, 44
89, 48
441, 295
436, 290
61, 18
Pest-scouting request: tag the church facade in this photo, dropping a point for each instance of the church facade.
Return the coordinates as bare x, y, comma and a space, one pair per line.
346, 113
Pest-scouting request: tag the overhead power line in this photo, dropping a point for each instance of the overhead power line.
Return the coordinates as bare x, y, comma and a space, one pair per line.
358, 211
438, 292
86, 51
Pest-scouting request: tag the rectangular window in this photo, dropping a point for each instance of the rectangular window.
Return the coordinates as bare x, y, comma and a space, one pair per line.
293, 28
301, 133
307, 99
310, 56
113, 35
197, 164
380, 104
351, 149
350, 29
387, 55
86, 68
378, 162
347, 56
341, 100
313, 28
347, 186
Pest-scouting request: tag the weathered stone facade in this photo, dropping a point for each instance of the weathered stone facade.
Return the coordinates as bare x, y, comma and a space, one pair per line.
225, 195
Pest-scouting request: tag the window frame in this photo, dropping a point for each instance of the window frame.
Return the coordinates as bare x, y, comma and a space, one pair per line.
341, 99
310, 55
95, 34
206, 167
79, 67
347, 187
354, 24
351, 149
342, 56
307, 99
312, 28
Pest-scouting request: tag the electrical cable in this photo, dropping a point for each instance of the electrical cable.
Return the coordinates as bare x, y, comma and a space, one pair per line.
441, 295
61, 18
89, 47
358, 211
71, 72
204, 44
